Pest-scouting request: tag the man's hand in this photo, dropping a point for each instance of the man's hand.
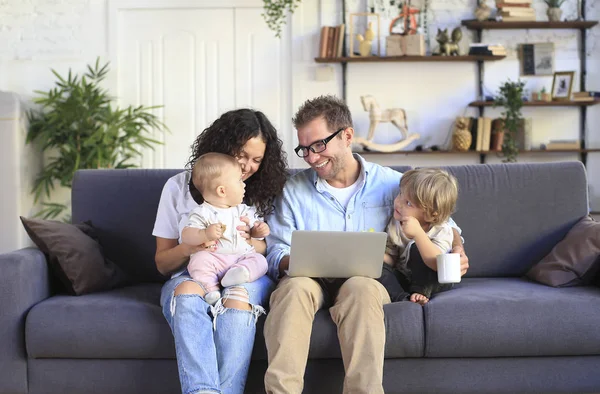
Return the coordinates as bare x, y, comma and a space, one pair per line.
214, 231
411, 226
260, 230
464, 260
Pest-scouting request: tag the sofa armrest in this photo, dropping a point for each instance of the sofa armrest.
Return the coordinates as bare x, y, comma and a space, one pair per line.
24, 281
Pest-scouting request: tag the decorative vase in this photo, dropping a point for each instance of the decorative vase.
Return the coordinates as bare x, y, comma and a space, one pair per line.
482, 12
554, 14
546, 97
461, 138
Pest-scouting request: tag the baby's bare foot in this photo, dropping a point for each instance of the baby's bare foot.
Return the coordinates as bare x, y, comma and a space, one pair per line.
419, 298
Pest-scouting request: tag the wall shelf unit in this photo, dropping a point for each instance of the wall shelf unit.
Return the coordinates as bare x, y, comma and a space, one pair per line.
541, 103
474, 24
582, 26
469, 152
376, 59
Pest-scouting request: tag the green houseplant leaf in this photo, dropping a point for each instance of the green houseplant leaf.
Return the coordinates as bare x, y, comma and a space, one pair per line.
510, 97
77, 124
275, 12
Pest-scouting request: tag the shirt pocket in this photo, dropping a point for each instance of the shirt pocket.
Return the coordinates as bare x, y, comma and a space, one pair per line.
376, 215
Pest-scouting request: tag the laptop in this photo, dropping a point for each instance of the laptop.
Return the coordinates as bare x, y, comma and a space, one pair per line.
336, 254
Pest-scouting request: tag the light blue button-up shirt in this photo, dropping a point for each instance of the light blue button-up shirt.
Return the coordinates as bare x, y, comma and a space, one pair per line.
305, 205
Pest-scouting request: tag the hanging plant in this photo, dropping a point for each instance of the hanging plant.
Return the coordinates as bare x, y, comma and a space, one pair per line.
79, 126
276, 12
510, 97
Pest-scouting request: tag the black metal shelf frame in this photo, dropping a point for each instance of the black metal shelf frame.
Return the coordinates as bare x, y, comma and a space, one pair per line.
582, 78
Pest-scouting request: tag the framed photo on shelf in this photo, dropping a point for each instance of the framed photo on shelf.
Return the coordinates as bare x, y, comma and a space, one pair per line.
537, 59
562, 85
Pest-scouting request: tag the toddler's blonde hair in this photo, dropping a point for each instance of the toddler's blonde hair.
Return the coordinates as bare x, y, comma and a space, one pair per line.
433, 190
208, 169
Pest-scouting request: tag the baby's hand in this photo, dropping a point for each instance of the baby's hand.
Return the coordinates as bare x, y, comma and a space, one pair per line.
410, 226
214, 231
260, 230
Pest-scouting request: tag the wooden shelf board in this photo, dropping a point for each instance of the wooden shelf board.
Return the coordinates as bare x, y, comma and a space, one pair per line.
453, 152
375, 59
474, 24
541, 103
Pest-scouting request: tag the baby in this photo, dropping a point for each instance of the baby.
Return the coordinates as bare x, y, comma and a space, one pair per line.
417, 233
218, 177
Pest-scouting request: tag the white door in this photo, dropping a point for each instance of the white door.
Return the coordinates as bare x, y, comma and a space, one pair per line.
197, 63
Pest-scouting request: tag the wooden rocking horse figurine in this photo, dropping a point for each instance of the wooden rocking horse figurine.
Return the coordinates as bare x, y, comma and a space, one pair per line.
396, 116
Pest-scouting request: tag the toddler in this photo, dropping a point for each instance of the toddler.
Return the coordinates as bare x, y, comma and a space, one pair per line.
417, 233
233, 261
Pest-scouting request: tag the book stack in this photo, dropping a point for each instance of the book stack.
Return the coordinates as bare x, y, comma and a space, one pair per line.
563, 145
515, 10
332, 41
586, 96
487, 50
486, 136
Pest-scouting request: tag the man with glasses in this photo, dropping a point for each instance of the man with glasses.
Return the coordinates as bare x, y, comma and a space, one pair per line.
340, 192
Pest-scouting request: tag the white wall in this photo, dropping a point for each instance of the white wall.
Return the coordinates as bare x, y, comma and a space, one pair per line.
37, 35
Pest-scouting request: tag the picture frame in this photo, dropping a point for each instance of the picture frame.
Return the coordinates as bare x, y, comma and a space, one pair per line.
537, 59
562, 84
352, 36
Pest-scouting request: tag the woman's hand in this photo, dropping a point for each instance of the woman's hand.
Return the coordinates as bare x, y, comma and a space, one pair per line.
245, 229
209, 246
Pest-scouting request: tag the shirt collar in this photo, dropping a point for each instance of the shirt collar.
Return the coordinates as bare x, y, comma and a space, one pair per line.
365, 167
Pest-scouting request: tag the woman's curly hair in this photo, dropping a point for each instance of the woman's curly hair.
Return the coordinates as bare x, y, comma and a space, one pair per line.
228, 134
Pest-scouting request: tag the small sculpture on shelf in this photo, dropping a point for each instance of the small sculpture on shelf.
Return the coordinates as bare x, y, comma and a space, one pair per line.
396, 116
483, 11
365, 43
461, 138
449, 47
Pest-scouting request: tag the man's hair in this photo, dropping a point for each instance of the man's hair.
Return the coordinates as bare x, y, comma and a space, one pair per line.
208, 169
433, 190
335, 112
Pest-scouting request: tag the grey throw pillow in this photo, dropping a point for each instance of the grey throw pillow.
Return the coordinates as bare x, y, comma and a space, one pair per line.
74, 255
574, 261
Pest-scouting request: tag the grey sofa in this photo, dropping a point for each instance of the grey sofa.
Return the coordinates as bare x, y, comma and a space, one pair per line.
495, 332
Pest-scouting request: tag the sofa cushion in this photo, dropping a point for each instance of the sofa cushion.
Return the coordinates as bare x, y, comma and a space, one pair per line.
74, 255
128, 323
573, 261
513, 214
121, 323
500, 317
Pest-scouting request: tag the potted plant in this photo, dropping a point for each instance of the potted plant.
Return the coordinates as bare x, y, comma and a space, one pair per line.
554, 12
77, 127
275, 12
510, 97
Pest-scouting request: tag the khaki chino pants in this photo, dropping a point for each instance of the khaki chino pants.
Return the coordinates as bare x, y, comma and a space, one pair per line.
358, 314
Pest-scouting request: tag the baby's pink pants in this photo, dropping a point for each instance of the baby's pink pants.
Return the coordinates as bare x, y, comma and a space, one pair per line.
208, 267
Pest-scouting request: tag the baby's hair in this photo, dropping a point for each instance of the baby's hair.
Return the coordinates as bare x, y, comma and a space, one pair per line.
208, 169
433, 190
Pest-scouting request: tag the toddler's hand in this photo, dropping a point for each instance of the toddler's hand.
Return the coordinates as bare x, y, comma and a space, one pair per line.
260, 230
214, 231
410, 226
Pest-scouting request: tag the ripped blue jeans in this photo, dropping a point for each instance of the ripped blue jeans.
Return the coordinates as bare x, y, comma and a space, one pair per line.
213, 344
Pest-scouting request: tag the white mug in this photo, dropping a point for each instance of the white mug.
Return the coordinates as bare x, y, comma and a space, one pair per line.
448, 268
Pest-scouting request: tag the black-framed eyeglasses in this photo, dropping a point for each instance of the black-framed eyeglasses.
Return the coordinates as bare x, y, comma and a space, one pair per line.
317, 146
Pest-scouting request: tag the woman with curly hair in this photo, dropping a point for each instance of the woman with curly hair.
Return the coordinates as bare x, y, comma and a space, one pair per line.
214, 343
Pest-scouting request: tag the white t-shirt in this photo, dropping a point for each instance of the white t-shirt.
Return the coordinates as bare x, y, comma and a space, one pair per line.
398, 245
231, 242
174, 208
343, 195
